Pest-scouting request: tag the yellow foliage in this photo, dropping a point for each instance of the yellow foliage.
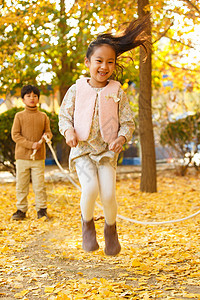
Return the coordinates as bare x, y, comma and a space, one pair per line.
45, 259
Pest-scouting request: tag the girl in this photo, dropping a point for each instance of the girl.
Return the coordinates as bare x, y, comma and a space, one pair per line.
96, 120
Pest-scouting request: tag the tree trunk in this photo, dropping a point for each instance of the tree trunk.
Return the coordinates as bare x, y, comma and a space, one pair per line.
148, 173
61, 74
62, 89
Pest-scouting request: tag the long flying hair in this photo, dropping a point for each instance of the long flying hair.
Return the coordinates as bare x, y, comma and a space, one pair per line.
133, 36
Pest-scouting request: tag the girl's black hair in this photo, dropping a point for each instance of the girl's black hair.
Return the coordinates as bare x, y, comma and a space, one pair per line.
27, 89
132, 37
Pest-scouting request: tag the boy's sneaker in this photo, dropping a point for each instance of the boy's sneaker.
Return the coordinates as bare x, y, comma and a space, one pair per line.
19, 215
42, 213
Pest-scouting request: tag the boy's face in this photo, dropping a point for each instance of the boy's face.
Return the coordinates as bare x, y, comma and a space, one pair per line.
31, 100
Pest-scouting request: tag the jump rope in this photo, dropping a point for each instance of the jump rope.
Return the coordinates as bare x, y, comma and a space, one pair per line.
79, 188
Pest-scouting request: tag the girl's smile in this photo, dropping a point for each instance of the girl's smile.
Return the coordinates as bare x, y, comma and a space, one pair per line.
101, 65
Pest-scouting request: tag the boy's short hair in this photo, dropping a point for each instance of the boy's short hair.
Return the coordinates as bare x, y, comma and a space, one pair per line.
27, 89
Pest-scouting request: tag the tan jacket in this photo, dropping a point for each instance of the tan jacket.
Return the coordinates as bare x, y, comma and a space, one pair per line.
28, 127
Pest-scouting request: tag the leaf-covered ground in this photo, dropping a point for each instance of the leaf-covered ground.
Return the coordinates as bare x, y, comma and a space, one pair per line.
43, 259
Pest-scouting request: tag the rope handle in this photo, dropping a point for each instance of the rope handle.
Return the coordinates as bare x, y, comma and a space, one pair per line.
32, 156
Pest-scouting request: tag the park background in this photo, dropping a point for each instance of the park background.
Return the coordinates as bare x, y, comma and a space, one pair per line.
44, 43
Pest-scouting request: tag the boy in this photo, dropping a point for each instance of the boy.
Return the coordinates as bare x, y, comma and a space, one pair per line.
29, 127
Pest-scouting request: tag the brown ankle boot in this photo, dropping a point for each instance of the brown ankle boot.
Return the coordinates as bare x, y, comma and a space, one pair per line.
112, 245
89, 236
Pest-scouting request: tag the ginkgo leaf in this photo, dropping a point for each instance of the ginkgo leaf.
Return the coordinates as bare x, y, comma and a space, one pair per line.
159, 262
49, 289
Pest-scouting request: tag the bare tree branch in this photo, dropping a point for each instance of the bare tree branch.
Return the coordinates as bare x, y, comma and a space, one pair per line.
192, 5
164, 33
176, 67
180, 42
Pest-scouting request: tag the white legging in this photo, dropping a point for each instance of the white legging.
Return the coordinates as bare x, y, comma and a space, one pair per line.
96, 179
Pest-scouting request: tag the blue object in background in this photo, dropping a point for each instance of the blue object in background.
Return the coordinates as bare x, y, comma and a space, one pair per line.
2, 101
49, 162
131, 161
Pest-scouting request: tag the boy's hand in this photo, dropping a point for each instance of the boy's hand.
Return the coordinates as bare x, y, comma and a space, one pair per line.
116, 145
71, 138
45, 135
36, 145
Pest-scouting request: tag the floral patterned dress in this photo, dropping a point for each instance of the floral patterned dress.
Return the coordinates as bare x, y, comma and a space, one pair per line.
95, 147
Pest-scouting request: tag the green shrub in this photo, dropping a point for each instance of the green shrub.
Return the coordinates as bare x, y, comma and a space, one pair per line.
180, 135
7, 146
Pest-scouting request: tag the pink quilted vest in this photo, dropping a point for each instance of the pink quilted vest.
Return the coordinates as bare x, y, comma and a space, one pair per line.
108, 110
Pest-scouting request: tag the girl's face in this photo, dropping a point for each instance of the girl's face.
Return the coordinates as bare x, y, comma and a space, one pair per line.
101, 65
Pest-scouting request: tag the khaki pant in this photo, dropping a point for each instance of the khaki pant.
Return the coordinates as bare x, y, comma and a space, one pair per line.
27, 169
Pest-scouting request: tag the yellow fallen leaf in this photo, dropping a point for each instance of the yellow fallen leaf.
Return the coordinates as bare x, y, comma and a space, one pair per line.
47, 251
123, 274
21, 294
79, 273
4, 249
135, 263
49, 289
191, 296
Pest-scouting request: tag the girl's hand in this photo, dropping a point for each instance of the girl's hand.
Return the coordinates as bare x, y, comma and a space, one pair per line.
71, 138
116, 145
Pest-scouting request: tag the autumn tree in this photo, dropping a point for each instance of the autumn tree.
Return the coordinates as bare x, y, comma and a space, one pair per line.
48, 38
167, 58
51, 39
44, 38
